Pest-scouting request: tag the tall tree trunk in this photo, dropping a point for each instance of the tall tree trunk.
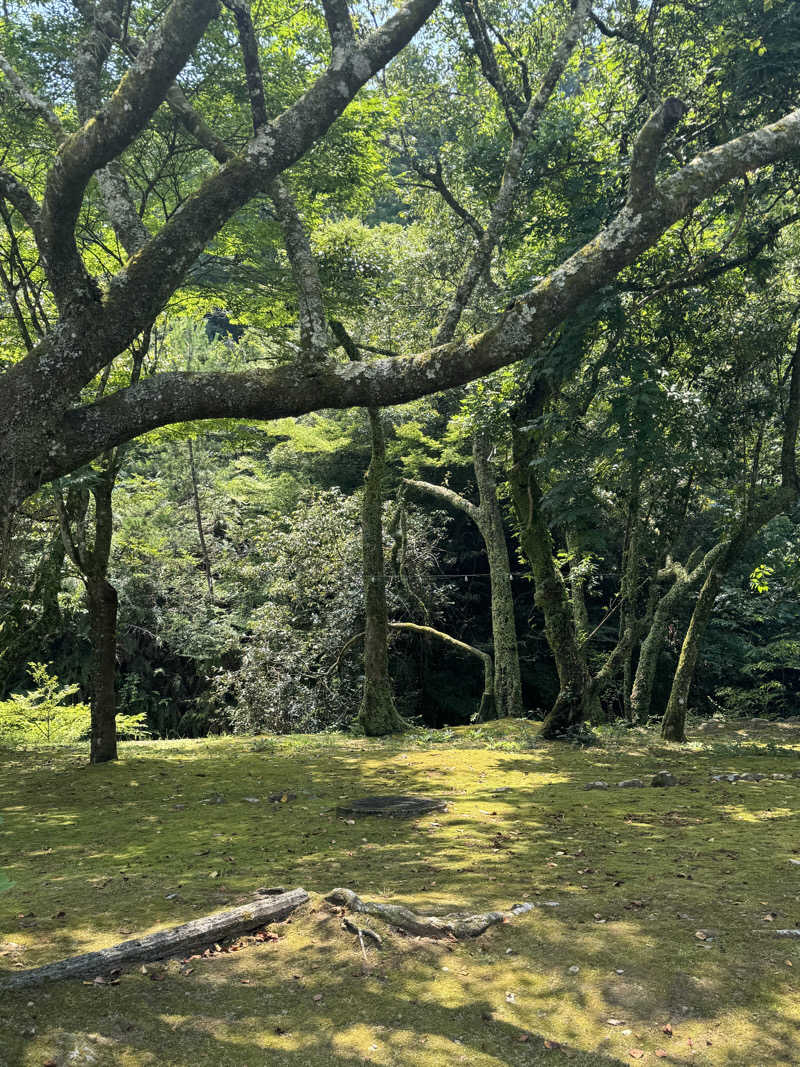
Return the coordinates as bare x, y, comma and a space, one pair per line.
576, 696
198, 517
507, 676
577, 584
102, 602
673, 725
629, 586
377, 714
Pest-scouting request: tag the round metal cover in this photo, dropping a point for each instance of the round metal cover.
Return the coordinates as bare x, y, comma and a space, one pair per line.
397, 806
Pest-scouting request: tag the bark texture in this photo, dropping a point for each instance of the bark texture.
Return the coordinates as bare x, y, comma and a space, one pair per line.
447, 927
166, 943
377, 714
576, 700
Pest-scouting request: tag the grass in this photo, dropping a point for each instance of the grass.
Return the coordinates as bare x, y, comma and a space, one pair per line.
99, 854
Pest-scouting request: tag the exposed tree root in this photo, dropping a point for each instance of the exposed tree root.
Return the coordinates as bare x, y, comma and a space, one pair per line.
449, 927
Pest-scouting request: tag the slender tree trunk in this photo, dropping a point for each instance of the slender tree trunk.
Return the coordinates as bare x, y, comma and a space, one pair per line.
507, 676
377, 714
673, 725
577, 585
629, 587
644, 679
102, 602
576, 697
198, 516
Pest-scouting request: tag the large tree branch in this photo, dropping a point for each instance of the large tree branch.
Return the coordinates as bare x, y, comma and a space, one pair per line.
106, 134
647, 148
20, 198
340, 26
446, 496
58, 368
293, 390
152, 276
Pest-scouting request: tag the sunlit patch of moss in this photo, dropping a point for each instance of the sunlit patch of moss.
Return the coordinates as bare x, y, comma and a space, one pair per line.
179, 829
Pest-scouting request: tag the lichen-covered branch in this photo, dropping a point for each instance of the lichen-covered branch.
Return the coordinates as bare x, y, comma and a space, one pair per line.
445, 496
103, 136
442, 927
340, 25
647, 148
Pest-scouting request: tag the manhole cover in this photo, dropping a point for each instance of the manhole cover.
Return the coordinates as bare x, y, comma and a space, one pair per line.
399, 807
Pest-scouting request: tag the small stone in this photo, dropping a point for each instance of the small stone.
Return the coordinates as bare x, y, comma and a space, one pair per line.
795, 863
663, 778
796, 772
596, 785
574, 969
781, 777
750, 776
631, 783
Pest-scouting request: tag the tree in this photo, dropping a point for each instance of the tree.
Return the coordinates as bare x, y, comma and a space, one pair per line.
488, 518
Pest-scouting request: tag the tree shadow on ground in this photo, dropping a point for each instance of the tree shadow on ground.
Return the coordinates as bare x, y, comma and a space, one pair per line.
635, 874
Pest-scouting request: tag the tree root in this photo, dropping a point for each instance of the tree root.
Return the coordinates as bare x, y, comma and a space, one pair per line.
448, 927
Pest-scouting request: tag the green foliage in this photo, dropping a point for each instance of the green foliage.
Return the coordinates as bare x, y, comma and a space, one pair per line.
43, 715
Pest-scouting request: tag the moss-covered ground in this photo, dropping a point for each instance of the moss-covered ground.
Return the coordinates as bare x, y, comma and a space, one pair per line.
177, 830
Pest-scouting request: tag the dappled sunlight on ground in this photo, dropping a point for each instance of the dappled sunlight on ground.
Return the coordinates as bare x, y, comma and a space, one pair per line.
655, 907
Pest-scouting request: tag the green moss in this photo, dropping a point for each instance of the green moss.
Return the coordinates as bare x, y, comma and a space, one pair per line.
97, 854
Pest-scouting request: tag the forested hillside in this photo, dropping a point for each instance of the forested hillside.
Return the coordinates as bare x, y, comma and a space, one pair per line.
380, 366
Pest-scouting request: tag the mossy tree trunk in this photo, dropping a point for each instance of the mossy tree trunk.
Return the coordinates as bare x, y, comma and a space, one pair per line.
507, 675
759, 509
665, 608
576, 698
101, 598
673, 725
488, 517
629, 589
377, 714
91, 558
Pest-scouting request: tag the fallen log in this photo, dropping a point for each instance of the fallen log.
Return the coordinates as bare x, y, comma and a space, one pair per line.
452, 927
177, 941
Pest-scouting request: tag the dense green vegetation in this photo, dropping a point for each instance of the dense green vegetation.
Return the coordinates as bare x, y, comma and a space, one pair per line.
635, 553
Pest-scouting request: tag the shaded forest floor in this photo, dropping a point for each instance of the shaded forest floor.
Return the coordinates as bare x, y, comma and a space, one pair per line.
176, 830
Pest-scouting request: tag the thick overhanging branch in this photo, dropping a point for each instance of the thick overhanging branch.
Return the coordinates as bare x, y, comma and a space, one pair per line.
293, 390
105, 135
